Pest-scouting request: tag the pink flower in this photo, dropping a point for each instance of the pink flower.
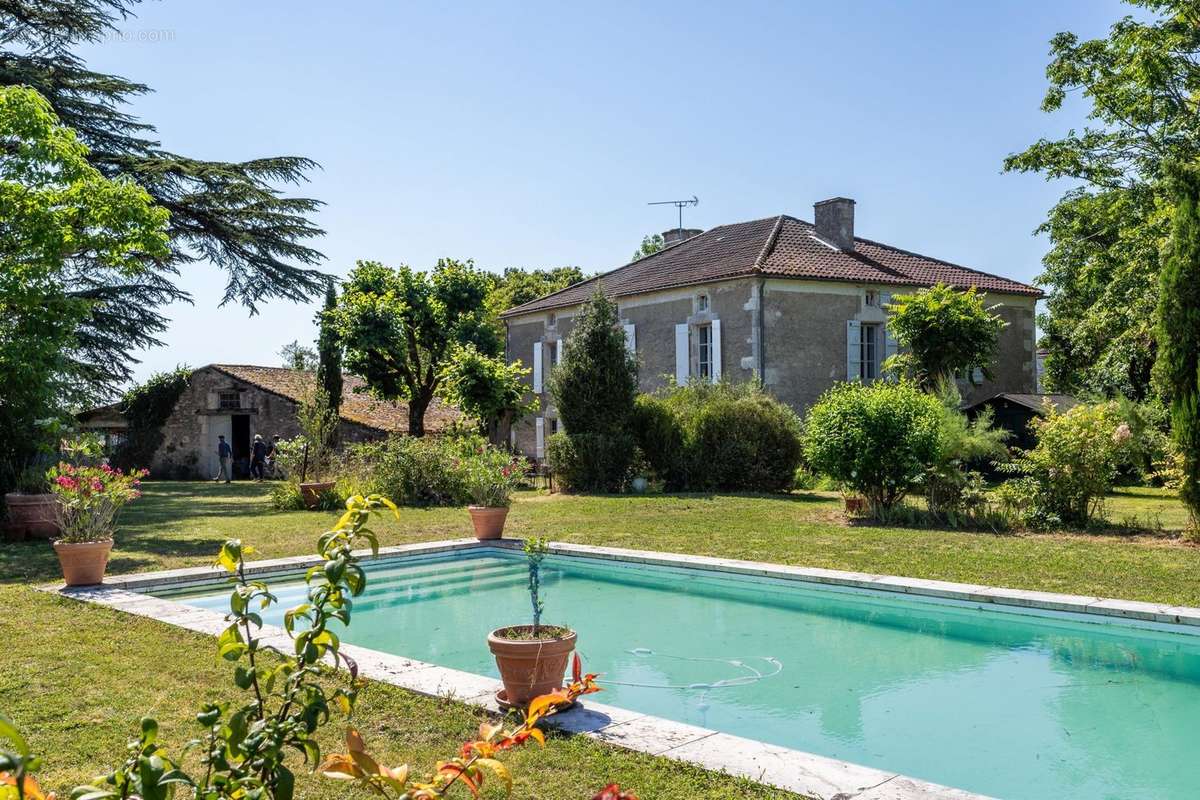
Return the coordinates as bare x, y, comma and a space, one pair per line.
1122, 434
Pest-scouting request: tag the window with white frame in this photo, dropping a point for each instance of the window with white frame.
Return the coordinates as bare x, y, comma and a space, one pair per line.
704, 366
870, 350
551, 320
872, 298
701, 303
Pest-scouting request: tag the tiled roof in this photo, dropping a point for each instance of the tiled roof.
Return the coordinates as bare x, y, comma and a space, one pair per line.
357, 406
781, 247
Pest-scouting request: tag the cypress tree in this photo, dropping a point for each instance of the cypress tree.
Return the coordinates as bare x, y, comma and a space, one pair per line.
1177, 370
329, 353
595, 386
229, 214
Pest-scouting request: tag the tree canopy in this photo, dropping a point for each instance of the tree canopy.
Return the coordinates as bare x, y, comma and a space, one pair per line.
298, 356
61, 218
651, 244
329, 352
487, 388
516, 286
943, 331
398, 327
230, 214
1143, 84
595, 385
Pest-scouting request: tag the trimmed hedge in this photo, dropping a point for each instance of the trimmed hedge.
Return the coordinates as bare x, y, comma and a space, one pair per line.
591, 462
719, 437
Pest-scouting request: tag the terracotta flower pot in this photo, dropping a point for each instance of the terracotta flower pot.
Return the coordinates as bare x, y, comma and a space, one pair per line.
530, 667
83, 563
488, 521
31, 515
311, 492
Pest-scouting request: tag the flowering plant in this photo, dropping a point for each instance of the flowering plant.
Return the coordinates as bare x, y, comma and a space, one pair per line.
489, 477
89, 499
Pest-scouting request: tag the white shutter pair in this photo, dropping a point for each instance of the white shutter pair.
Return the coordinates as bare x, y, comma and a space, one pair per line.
853, 350
683, 352
537, 367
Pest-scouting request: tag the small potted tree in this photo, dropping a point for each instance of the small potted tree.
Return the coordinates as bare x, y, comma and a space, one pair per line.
318, 426
89, 499
489, 478
531, 658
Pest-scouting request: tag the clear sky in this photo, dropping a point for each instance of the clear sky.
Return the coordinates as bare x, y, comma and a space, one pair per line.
533, 134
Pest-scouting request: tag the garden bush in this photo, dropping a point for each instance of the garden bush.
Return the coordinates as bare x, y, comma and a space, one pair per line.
878, 440
417, 471
591, 462
727, 437
1076, 461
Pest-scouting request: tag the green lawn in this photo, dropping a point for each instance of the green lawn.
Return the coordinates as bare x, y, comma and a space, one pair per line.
77, 677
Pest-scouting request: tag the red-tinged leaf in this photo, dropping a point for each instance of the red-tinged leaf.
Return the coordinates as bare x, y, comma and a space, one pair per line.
351, 664
488, 730
456, 772
576, 668
339, 767
354, 741
537, 735
500, 771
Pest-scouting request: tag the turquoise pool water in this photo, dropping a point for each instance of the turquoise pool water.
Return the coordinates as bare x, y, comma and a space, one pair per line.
1009, 705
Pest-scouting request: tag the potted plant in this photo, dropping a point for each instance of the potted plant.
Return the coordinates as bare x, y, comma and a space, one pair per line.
318, 426
531, 658
489, 478
31, 506
89, 499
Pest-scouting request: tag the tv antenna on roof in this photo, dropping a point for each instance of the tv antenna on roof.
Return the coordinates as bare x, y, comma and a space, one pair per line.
695, 201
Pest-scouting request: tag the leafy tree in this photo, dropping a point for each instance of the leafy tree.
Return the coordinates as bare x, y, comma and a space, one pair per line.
398, 327
595, 385
878, 440
517, 286
651, 244
1177, 371
61, 217
943, 331
329, 353
232, 215
487, 388
297, 356
1102, 269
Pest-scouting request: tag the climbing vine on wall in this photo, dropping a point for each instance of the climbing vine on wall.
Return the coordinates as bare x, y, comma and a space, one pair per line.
147, 407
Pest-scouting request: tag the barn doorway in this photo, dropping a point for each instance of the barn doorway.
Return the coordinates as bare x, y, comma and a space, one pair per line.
240, 443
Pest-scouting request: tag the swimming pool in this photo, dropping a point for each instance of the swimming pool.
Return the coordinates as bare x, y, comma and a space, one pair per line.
1013, 703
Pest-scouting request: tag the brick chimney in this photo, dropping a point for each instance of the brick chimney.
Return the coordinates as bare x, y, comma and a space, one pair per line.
675, 235
834, 220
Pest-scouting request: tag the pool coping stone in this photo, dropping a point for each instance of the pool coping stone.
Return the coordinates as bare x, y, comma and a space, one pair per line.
807, 774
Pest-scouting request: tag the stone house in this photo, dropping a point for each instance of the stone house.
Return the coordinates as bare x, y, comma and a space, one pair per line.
239, 401
795, 304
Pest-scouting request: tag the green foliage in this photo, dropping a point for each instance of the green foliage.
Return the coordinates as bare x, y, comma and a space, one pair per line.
245, 745
1177, 371
595, 384
1074, 464
518, 286
329, 353
399, 327
147, 406
64, 224
297, 356
877, 440
489, 477
416, 471
728, 437
591, 462
943, 331
954, 491
486, 387
651, 244
231, 215
90, 498
1102, 268
536, 549
318, 427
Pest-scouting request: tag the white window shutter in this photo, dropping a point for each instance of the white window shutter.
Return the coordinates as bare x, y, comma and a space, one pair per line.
977, 376
885, 298
539, 428
716, 350
537, 368
630, 339
557, 351
682, 368
853, 350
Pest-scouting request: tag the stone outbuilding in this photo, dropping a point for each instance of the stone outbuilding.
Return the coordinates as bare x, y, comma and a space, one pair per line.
239, 401
796, 305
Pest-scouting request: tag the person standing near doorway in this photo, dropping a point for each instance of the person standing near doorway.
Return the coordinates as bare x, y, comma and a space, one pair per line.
258, 458
224, 454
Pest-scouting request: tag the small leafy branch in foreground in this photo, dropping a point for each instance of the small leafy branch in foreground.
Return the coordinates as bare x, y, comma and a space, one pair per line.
468, 768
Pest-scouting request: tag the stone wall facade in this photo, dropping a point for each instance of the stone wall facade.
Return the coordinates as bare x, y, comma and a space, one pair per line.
793, 334
216, 403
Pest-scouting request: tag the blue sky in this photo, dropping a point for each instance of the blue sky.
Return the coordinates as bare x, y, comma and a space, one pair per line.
533, 135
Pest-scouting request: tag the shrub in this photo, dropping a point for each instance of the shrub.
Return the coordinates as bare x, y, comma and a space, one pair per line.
1075, 462
952, 489
595, 385
90, 498
942, 331
591, 462
423, 471
727, 437
489, 477
877, 440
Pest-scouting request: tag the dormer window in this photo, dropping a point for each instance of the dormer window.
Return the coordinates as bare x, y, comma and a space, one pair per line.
701, 303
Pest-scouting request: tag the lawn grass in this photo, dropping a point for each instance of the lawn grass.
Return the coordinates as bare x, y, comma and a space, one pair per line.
76, 678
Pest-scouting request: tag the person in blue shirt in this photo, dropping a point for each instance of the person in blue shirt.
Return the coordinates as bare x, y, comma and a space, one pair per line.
258, 458
224, 454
